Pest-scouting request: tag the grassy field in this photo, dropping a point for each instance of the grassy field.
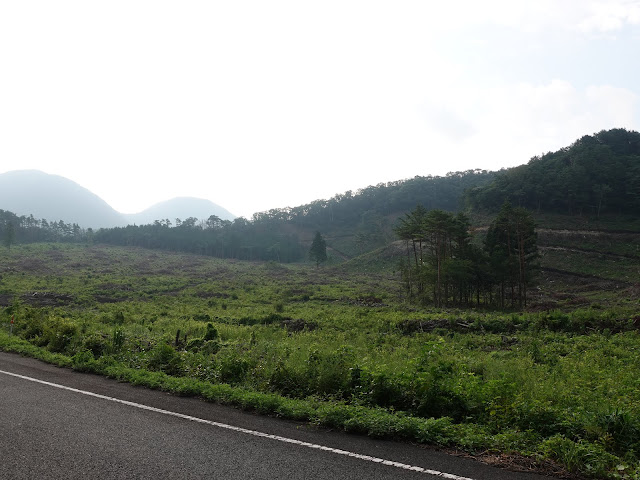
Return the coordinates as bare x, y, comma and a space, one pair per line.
556, 387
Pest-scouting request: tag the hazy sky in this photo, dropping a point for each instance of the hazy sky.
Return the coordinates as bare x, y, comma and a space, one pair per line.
263, 104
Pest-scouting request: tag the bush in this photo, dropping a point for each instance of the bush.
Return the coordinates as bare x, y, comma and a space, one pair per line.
96, 344
211, 334
232, 366
580, 456
83, 361
165, 359
30, 326
58, 333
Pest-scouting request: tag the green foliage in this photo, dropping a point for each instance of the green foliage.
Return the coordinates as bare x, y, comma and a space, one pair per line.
165, 359
318, 250
561, 384
96, 344
9, 236
211, 334
597, 173
580, 456
117, 339
84, 361
445, 267
58, 333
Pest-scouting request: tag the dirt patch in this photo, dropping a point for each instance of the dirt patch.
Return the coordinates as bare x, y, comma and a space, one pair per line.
518, 463
633, 291
369, 301
46, 299
108, 299
542, 306
298, 325
411, 325
118, 287
6, 300
33, 265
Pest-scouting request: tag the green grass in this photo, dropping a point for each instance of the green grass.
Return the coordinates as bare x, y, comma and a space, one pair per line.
618, 269
339, 347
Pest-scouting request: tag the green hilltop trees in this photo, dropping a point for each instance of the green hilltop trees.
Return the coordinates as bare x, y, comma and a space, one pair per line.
596, 174
444, 266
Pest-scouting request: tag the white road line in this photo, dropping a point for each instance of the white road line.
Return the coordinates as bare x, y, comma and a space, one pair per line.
246, 431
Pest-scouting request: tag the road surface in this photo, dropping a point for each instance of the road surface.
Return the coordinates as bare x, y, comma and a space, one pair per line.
59, 424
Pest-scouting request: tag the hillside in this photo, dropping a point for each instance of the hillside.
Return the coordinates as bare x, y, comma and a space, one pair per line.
589, 185
343, 350
596, 174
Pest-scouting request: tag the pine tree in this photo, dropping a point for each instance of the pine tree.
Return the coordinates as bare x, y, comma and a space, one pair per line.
318, 250
9, 234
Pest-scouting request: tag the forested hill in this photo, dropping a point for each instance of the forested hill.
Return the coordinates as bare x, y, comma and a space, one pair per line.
597, 174
352, 223
392, 198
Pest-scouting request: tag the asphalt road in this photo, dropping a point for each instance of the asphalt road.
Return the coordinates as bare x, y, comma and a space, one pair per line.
98, 428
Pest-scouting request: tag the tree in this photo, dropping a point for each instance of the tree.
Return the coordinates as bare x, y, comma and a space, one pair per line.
440, 252
511, 244
318, 250
9, 234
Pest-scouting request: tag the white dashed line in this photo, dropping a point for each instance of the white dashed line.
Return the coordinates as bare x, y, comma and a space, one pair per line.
255, 433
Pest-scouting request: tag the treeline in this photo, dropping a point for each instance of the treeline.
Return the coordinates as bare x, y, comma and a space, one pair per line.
348, 209
596, 174
274, 234
356, 221
27, 229
240, 239
444, 266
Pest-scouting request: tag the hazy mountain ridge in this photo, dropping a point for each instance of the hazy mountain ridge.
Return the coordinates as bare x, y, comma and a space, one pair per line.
54, 198
179, 207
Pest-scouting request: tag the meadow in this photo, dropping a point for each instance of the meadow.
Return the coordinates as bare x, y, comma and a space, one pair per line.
554, 389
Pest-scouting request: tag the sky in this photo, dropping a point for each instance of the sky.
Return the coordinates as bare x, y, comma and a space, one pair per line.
257, 105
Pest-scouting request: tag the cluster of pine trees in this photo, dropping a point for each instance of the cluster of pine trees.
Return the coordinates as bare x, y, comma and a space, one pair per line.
238, 239
444, 264
27, 229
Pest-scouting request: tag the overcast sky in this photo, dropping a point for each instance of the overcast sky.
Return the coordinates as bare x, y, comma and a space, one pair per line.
264, 104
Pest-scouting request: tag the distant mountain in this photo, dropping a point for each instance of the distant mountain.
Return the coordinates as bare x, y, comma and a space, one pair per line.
54, 198
182, 208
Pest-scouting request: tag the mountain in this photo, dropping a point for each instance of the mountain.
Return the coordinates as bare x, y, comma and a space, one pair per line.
52, 197
179, 207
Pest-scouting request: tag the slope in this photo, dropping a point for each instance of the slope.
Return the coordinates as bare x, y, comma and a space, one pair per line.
52, 197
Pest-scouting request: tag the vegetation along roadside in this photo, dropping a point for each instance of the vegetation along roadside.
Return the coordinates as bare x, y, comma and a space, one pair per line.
335, 348
496, 313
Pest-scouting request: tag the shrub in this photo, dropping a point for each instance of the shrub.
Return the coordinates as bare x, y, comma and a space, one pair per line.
580, 456
96, 344
30, 326
165, 359
232, 366
83, 361
117, 340
211, 333
58, 333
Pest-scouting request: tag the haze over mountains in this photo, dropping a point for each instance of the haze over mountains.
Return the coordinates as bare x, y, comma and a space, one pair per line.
52, 197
